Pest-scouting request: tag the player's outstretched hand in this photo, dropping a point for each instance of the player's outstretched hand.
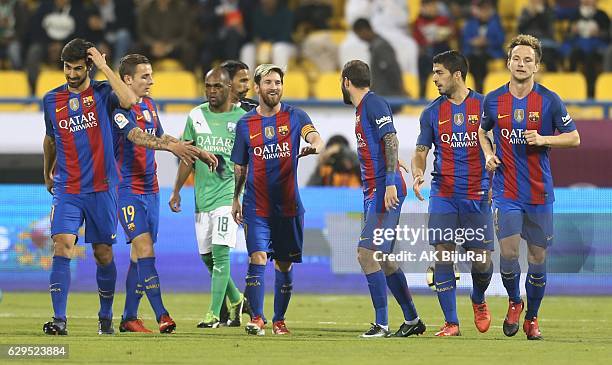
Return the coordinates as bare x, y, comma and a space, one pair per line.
98, 58
175, 202
237, 211
403, 165
391, 199
209, 159
416, 186
492, 163
534, 138
184, 150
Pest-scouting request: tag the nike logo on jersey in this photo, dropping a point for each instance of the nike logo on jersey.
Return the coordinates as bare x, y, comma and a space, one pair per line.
113, 236
139, 117
440, 122
502, 116
57, 110
149, 279
254, 135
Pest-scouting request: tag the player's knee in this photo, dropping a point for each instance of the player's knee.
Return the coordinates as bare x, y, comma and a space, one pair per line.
536, 255
389, 267
484, 264
103, 254
63, 248
143, 245
283, 266
258, 258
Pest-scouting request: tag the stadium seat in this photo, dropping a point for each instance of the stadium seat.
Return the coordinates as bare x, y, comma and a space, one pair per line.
327, 86
411, 84
414, 8
569, 85
175, 84
431, 91
495, 80
295, 85
48, 80
603, 89
14, 85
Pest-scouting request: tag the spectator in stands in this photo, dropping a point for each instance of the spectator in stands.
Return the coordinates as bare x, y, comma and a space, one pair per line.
53, 24
13, 23
482, 39
389, 18
272, 27
385, 70
220, 31
312, 16
164, 27
588, 37
338, 165
110, 25
433, 32
538, 19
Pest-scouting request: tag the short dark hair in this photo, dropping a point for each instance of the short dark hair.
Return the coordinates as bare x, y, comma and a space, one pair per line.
453, 61
337, 139
233, 66
361, 24
127, 65
265, 69
357, 72
76, 50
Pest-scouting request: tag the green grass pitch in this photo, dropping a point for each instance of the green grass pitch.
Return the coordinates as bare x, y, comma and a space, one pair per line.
325, 329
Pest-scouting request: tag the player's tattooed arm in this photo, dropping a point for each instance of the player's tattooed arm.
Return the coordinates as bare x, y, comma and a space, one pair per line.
169, 138
419, 160
49, 161
391, 148
183, 150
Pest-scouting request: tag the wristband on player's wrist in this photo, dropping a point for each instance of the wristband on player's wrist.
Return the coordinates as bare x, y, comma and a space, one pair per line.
390, 179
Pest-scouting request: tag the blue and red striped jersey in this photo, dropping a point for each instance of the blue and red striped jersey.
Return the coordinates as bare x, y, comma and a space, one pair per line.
80, 124
137, 163
459, 164
270, 146
374, 119
524, 174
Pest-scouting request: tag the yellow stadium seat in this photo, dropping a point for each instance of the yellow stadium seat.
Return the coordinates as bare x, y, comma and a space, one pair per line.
494, 80
569, 85
414, 8
327, 86
48, 80
14, 85
431, 91
295, 85
518, 7
506, 8
603, 89
175, 84
167, 64
411, 84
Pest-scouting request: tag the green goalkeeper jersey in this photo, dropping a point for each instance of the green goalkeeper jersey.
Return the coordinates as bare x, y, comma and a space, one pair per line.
215, 133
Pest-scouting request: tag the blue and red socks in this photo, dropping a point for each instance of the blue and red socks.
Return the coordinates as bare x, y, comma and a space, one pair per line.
283, 285
377, 283
535, 285
446, 288
106, 276
150, 280
399, 288
510, 271
255, 288
59, 284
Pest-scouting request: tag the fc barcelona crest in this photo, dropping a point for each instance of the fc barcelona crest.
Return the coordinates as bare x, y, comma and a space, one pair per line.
534, 117
74, 104
88, 101
147, 115
269, 132
519, 115
473, 119
458, 119
283, 130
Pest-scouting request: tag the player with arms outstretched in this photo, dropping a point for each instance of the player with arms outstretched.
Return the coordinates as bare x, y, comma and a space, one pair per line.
138, 133
265, 157
523, 117
384, 191
459, 198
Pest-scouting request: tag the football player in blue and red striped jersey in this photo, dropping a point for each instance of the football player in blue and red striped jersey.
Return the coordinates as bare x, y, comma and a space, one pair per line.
268, 142
138, 133
384, 191
459, 198
524, 117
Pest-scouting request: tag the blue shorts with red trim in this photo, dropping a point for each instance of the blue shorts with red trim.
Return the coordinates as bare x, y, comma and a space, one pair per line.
280, 237
98, 210
138, 214
378, 223
469, 221
534, 222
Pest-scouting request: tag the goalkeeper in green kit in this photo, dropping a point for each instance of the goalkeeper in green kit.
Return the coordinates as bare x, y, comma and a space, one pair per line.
211, 127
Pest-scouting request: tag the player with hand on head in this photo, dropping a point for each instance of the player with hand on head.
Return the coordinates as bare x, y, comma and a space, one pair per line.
384, 191
138, 133
459, 190
81, 173
211, 126
265, 157
523, 117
